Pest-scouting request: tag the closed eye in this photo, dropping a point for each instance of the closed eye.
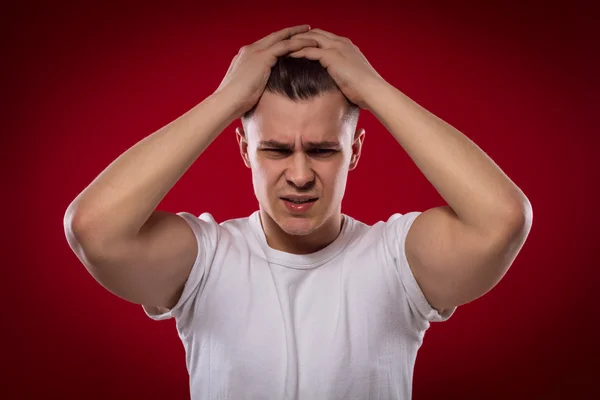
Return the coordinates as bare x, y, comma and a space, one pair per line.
322, 152
311, 152
277, 152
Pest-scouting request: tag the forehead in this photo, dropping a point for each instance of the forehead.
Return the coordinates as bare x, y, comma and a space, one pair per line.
281, 119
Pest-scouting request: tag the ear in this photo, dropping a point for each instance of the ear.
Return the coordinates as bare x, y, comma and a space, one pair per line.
357, 142
243, 142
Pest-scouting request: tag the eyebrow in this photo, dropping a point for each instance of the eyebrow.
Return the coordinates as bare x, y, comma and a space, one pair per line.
273, 144
326, 144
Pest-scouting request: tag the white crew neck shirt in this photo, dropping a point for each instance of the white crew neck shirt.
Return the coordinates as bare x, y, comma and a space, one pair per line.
345, 322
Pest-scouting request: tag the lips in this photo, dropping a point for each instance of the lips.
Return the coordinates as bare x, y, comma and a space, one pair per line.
298, 204
299, 200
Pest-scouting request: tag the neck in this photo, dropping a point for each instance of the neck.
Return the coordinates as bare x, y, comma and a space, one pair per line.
278, 239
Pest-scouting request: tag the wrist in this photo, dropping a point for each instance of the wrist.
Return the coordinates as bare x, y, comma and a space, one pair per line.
376, 91
226, 104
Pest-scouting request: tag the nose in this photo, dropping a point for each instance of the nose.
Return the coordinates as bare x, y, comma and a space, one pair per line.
299, 172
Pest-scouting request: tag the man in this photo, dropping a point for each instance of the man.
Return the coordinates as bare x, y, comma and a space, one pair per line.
298, 300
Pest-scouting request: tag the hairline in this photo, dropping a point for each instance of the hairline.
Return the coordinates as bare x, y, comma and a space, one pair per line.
351, 113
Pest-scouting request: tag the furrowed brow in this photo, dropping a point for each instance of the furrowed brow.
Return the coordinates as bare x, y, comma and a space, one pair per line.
273, 144
326, 144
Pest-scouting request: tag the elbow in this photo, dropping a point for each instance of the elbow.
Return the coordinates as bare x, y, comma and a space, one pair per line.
84, 236
75, 220
517, 217
521, 218
73, 226
510, 233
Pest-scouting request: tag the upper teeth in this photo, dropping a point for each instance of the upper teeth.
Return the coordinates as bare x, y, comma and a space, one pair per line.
299, 201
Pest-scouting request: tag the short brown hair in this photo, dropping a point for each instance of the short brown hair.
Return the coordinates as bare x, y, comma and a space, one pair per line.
301, 79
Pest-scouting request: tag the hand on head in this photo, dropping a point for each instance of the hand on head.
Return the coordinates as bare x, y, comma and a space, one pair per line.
344, 62
249, 71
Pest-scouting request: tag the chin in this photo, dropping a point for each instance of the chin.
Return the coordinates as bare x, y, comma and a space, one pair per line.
297, 226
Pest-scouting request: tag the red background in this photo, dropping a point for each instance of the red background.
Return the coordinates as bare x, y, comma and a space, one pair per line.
87, 82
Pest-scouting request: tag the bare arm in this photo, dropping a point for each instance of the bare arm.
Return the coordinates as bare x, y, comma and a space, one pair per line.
134, 251
460, 251
121, 199
113, 226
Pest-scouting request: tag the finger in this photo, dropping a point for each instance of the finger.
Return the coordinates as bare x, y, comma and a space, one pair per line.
278, 36
313, 53
289, 46
334, 37
323, 41
325, 33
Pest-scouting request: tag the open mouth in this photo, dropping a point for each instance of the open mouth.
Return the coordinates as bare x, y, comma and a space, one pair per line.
297, 201
299, 206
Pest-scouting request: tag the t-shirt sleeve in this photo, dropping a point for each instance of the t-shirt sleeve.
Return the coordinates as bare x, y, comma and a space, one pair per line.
396, 230
206, 231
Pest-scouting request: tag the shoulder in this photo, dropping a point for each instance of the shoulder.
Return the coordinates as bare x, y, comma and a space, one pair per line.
212, 234
208, 219
397, 223
385, 234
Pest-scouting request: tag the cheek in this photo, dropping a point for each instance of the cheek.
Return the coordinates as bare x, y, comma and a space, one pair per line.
264, 176
340, 180
334, 176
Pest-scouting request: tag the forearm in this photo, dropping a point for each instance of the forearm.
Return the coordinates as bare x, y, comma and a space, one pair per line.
122, 198
476, 189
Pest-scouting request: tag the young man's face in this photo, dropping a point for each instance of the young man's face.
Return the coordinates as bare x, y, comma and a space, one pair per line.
300, 153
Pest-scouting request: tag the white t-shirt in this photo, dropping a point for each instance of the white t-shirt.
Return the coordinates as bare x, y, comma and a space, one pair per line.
345, 322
